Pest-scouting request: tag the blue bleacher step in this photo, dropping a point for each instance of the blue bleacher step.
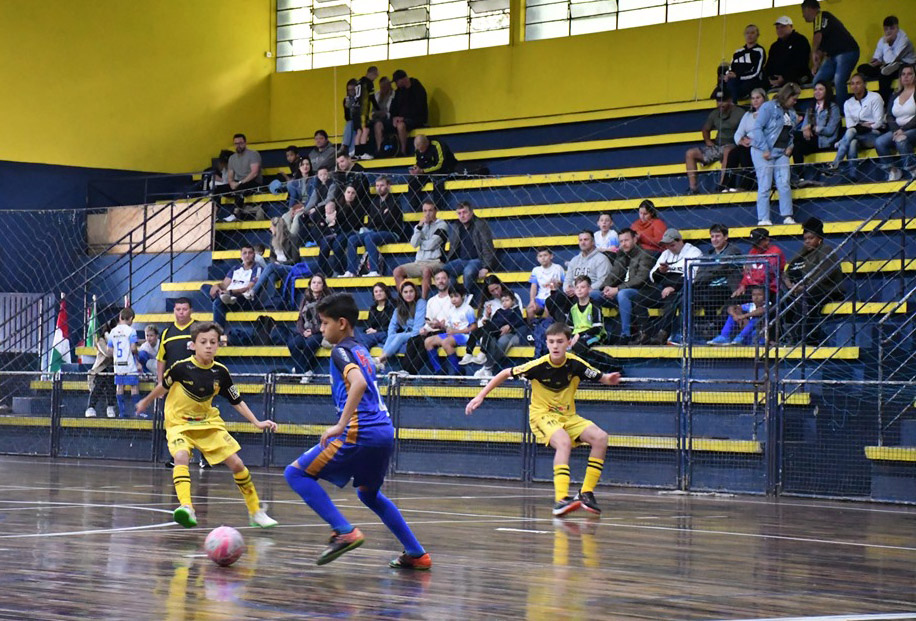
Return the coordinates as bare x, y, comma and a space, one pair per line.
908, 432
31, 406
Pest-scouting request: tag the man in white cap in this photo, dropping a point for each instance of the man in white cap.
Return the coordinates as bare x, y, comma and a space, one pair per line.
789, 56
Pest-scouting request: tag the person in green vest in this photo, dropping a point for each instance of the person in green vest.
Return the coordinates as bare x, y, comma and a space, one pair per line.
587, 323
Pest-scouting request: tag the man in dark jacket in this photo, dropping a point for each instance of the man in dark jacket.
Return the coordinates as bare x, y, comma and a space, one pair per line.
471, 252
714, 284
351, 173
385, 225
789, 56
435, 161
814, 278
629, 275
410, 108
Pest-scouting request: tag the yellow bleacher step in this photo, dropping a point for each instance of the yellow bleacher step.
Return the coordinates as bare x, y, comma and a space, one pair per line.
891, 453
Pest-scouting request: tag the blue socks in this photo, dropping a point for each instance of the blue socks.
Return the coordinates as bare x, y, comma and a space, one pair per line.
393, 519
433, 355
121, 411
316, 498
452, 360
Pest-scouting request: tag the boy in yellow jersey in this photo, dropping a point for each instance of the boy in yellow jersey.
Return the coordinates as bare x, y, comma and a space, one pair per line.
552, 415
191, 421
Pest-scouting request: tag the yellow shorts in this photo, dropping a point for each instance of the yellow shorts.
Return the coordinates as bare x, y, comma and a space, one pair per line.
213, 441
545, 424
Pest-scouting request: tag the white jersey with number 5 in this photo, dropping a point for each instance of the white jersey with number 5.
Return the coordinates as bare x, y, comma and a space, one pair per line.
121, 340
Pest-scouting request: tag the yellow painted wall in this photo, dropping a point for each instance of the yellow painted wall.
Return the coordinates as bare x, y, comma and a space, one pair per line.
654, 64
158, 85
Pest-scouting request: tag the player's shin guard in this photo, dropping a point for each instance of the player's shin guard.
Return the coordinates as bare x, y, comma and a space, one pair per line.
316, 498
592, 474
243, 480
181, 477
392, 518
560, 482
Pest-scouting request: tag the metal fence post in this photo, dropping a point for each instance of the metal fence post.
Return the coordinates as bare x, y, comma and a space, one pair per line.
394, 411
529, 446
56, 411
268, 405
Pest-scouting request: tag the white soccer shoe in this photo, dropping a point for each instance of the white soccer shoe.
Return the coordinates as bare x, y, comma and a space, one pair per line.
260, 518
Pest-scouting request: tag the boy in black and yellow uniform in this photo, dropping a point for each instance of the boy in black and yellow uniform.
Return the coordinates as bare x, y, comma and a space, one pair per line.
191, 422
552, 415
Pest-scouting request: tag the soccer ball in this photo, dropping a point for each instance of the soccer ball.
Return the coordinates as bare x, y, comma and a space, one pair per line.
224, 545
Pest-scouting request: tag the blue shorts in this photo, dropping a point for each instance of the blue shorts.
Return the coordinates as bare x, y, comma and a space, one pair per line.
539, 303
339, 462
460, 339
127, 380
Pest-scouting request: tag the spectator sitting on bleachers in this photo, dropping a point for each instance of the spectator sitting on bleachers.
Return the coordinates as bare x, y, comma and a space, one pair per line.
819, 132
218, 173
606, 237
259, 259
325, 192
713, 284
864, 113
323, 153
766, 272
745, 73
667, 278
589, 262
724, 119
471, 251
789, 56
486, 332
813, 278
746, 316
342, 218
649, 228
244, 173
304, 344
409, 108
438, 307
292, 160
429, 238
834, 52
545, 278
148, 350
352, 174
299, 189
285, 251
894, 51
587, 325
738, 162
460, 323
383, 99
236, 289
771, 147
435, 162
380, 313
385, 225
405, 324
510, 330
901, 128
628, 277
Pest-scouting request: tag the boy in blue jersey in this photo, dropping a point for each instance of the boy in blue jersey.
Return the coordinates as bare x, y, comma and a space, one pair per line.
357, 447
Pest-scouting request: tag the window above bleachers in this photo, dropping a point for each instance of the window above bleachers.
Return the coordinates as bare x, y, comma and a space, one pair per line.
548, 19
327, 33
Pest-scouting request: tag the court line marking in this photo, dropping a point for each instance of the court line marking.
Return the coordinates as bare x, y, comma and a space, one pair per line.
90, 532
51, 503
524, 530
863, 617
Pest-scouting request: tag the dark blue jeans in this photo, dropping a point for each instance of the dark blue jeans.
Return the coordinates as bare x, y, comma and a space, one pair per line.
376, 339
328, 265
370, 240
469, 268
304, 351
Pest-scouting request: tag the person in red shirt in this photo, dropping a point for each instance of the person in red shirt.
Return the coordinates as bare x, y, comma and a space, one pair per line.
756, 273
649, 228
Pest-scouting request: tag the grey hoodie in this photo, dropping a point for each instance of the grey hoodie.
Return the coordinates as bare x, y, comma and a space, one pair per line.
429, 240
594, 265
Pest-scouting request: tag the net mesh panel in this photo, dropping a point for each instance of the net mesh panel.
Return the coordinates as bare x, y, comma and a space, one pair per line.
26, 416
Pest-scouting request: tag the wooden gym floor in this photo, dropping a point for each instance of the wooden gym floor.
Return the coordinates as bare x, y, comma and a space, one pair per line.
94, 540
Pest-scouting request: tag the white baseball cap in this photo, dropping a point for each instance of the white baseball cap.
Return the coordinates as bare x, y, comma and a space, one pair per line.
785, 20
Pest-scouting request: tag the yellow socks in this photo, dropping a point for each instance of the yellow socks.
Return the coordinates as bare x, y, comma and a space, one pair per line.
592, 474
243, 480
560, 481
181, 477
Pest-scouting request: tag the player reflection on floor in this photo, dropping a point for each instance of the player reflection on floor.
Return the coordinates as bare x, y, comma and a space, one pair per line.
561, 591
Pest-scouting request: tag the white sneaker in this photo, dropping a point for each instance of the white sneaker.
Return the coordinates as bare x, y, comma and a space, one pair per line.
895, 174
379, 365
110, 412
348, 274
483, 372
788, 220
372, 275
480, 358
260, 518
367, 156
228, 298
248, 295
230, 218
764, 223
466, 359
90, 412
307, 377
402, 373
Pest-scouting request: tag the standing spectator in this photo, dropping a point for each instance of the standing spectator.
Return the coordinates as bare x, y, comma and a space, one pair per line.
667, 277
236, 289
649, 228
460, 323
771, 147
323, 153
385, 225
789, 56
307, 340
589, 262
813, 278
834, 52
745, 73
894, 51
352, 174
147, 354
410, 108
864, 113
122, 345
628, 277
735, 174
901, 128
765, 272
175, 343
367, 105
244, 173
435, 162
429, 238
714, 284
606, 237
343, 218
724, 119
100, 377
299, 189
471, 251
351, 119
380, 313
819, 132
546, 277
405, 324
